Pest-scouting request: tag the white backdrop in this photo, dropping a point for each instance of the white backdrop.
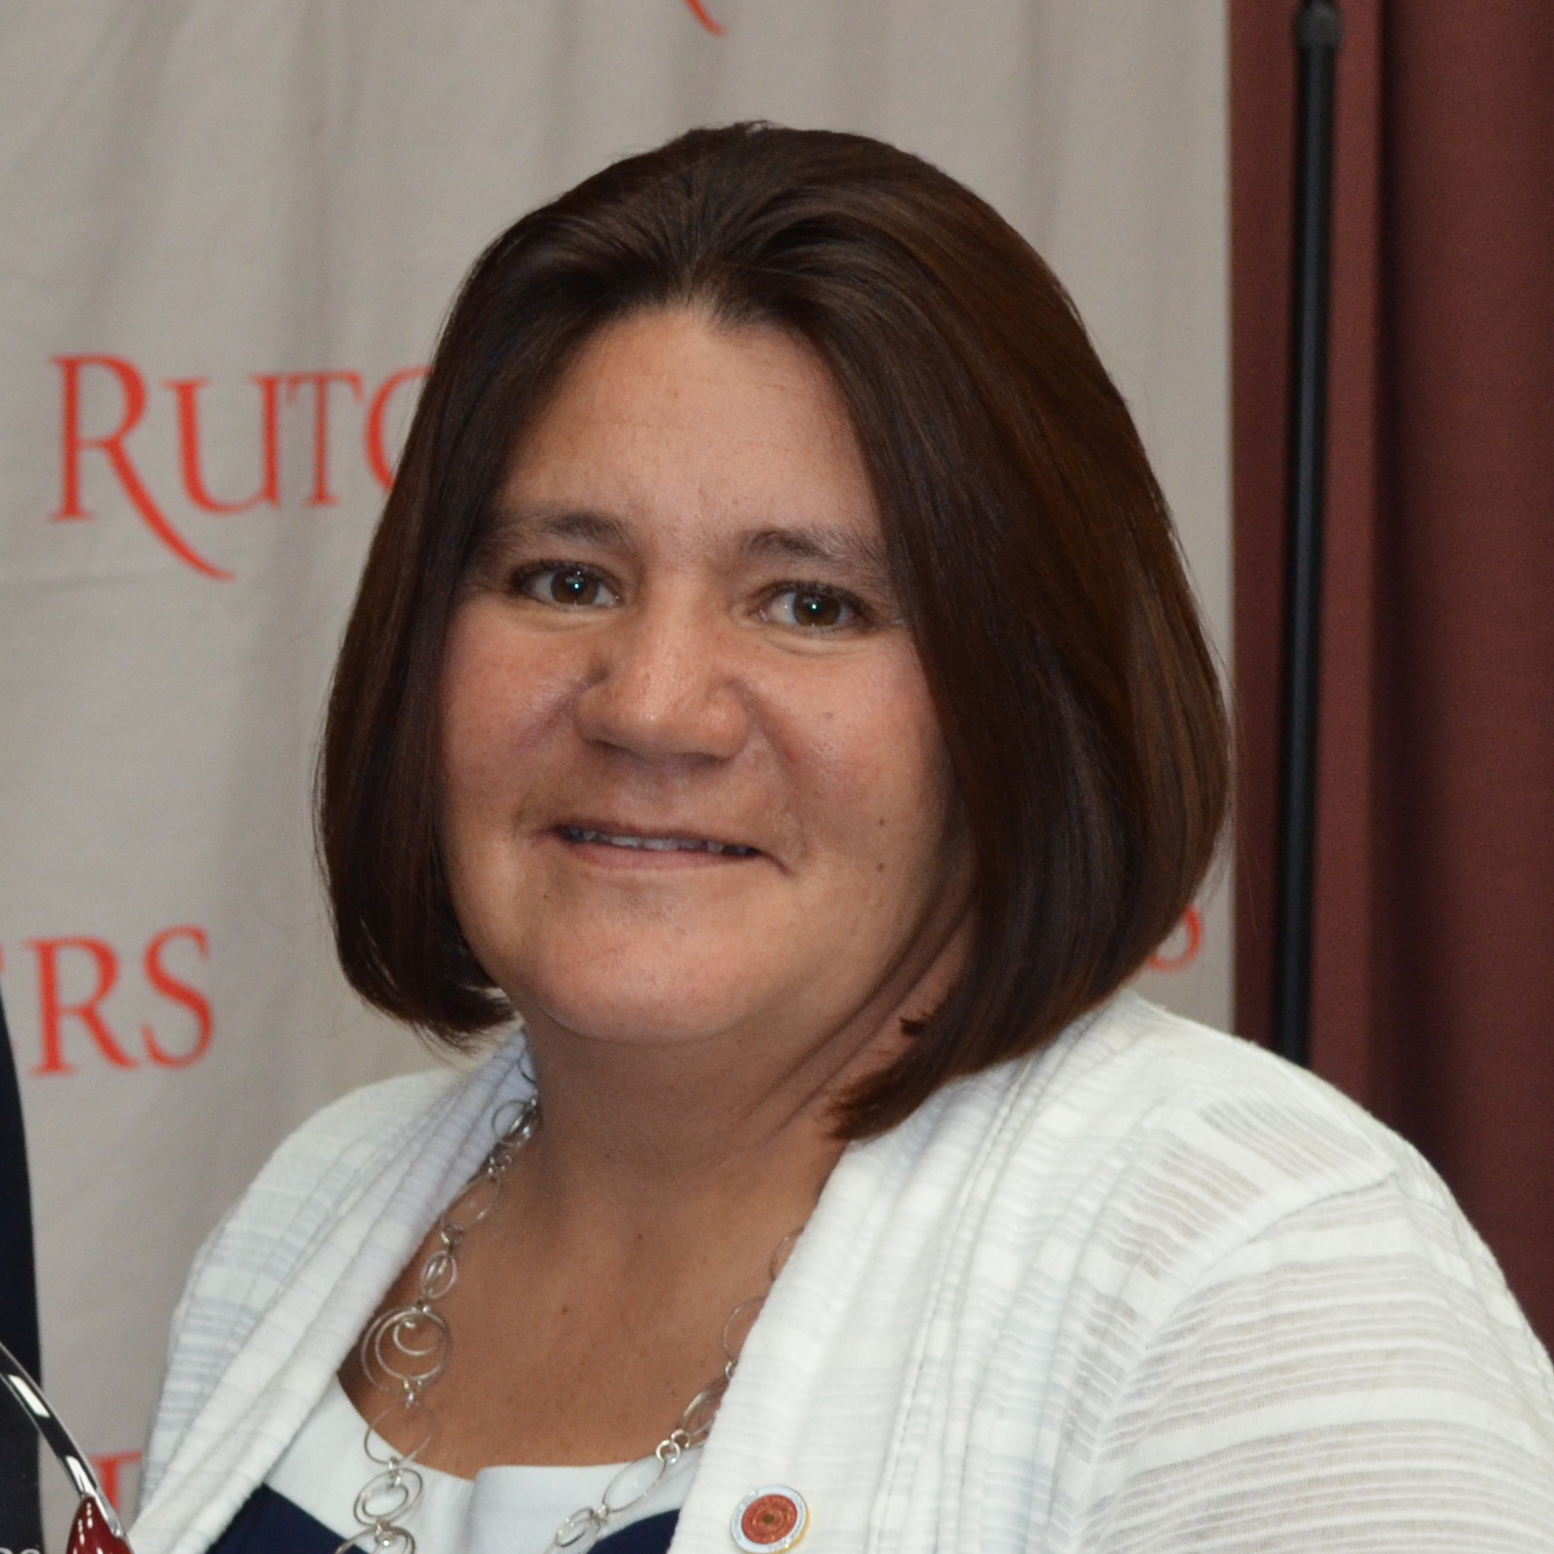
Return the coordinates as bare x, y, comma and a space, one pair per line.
227, 236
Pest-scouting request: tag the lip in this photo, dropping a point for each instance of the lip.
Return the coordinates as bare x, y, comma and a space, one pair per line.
622, 845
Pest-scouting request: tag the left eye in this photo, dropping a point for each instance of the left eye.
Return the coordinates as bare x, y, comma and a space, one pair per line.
569, 587
814, 609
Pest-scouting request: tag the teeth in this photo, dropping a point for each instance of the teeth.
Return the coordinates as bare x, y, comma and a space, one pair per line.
657, 844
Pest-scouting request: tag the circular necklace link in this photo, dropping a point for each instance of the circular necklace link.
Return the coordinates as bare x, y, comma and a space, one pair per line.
405, 1350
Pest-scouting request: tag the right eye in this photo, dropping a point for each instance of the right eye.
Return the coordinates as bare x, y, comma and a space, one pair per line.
567, 587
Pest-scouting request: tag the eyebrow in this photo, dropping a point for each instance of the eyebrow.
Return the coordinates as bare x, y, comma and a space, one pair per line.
836, 546
514, 523
800, 542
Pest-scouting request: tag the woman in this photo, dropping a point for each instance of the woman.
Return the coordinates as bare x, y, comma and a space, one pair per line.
774, 680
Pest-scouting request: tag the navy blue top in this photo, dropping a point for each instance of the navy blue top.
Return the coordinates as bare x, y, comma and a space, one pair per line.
270, 1524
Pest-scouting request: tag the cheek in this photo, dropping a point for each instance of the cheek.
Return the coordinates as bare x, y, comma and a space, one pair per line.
499, 699
877, 770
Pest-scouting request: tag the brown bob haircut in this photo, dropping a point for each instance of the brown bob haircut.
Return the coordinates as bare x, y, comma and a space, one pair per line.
1027, 536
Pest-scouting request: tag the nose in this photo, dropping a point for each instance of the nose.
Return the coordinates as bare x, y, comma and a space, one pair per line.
663, 685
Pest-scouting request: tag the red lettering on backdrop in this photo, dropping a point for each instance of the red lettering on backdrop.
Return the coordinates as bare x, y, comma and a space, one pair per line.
179, 992
377, 452
1192, 923
110, 1474
322, 496
699, 11
131, 386
73, 445
269, 492
53, 1013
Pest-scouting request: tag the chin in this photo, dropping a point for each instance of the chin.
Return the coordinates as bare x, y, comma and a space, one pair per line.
633, 1023
639, 1003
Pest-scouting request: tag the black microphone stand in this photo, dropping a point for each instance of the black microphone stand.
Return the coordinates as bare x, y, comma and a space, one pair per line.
1318, 30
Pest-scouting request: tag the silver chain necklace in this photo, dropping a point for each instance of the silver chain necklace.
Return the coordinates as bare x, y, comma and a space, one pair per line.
406, 1349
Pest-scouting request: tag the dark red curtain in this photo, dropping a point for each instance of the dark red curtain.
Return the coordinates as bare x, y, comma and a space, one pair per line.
1434, 956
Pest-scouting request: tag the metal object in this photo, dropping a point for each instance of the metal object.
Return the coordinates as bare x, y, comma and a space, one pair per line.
405, 1350
637, 1480
1318, 33
21, 1517
769, 1520
96, 1529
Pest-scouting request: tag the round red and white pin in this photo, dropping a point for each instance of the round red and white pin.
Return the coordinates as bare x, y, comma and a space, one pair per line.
769, 1520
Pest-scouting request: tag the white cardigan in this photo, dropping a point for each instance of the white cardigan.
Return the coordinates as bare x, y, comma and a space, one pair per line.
1151, 1289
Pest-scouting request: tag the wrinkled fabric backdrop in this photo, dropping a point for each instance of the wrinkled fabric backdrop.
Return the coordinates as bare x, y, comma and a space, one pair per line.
1433, 963
227, 237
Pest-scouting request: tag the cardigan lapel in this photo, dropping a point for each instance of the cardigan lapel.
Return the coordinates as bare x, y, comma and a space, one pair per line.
857, 1383
313, 1272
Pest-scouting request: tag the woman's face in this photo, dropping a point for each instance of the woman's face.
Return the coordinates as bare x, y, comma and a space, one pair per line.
694, 782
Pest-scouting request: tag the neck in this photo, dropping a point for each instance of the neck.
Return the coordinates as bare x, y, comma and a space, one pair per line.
645, 1138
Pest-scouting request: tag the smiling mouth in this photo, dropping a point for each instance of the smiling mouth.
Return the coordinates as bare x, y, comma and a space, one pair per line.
656, 844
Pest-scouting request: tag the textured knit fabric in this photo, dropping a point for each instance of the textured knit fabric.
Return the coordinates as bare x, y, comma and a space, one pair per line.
1151, 1289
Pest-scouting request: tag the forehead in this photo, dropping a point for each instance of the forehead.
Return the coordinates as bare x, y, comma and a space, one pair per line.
671, 422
